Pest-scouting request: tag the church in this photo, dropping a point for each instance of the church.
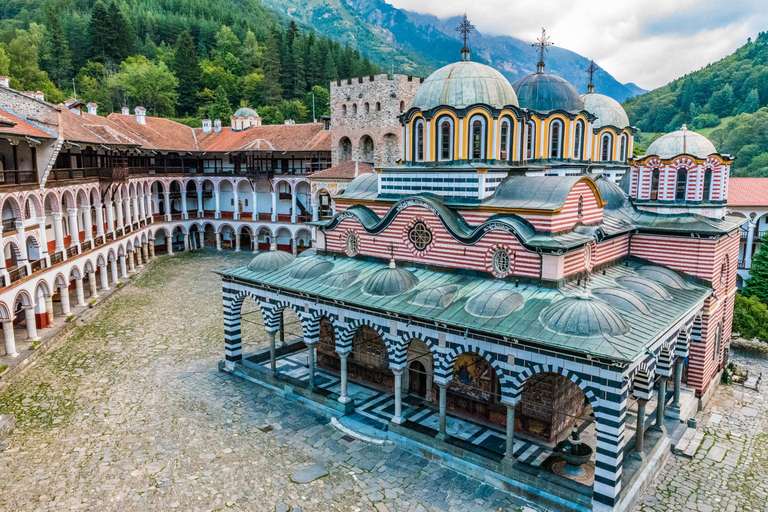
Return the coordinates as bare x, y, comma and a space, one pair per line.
517, 295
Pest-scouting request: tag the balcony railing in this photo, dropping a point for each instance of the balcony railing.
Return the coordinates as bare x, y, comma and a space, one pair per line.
72, 251
86, 246
757, 236
76, 174
743, 264
37, 265
17, 273
57, 257
9, 225
14, 177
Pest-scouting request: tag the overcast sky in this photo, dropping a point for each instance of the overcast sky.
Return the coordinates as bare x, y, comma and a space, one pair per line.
649, 42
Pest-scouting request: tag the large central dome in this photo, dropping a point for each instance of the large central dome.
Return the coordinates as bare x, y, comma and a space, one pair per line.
543, 93
465, 83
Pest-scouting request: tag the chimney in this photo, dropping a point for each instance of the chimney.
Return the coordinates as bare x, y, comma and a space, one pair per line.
216, 125
4, 81
125, 111
206, 126
289, 122
39, 95
140, 115
92, 108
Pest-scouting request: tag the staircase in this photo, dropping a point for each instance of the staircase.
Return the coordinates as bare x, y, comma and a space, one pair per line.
686, 440
51, 161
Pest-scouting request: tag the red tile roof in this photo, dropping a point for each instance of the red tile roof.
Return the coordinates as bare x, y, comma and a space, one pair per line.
11, 124
348, 170
158, 132
93, 129
748, 192
279, 137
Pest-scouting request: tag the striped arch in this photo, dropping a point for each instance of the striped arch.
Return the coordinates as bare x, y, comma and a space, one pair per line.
53, 199
518, 382
400, 353
279, 307
233, 345
5, 313
344, 338
444, 371
36, 208
313, 325
15, 207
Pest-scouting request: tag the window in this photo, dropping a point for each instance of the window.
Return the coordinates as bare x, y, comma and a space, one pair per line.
655, 185
718, 338
555, 137
246, 202
445, 140
504, 138
531, 142
344, 110
623, 148
581, 206
354, 109
606, 151
353, 245
501, 262
578, 140
707, 185
378, 107
402, 106
682, 182
420, 236
477, 139
367, 108
420, 141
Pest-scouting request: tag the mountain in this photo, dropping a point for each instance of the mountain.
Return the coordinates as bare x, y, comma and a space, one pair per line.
422, 43
635, 89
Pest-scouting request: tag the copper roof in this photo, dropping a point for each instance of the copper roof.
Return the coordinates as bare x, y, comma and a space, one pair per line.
748, 192
280, 137
158, 133
348, 170
11, 124
94, 129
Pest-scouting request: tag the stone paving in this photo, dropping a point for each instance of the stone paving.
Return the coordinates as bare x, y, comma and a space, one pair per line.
129, 413
729, 471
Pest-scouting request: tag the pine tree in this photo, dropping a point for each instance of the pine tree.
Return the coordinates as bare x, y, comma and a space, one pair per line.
221, 108
97, 32
314, 65
331, 72
299, 69
251, 53
56, 59
757, 284
273, 92
751, 103
187, 69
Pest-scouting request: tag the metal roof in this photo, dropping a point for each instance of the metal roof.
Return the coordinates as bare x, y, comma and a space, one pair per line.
681, 142
544, 93
607, 110
520, 318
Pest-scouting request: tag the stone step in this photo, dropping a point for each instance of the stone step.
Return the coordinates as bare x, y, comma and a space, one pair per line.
694, 444
684, 440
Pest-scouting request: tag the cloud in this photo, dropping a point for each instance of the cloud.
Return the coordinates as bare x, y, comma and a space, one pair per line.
649, 42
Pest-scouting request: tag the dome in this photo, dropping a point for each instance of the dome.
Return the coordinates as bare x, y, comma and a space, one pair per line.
624, 300
543, 92
612, 194
462, 84
663, 275
583, 316
607, 110
245, 112
390, 281
308, 253
644, 287
307, 268
681, 142
340, 280
438, 297
495, 304
267, 261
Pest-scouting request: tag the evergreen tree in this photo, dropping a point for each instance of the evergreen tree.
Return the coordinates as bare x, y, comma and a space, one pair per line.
57, 59
251, 53
757, 284
314, 66
187, 69
752, 103
221, 108
5, 61
298, 70
97, 32
272, 89
331, 72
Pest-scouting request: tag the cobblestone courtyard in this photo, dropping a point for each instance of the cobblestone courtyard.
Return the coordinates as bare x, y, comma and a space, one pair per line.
129, 413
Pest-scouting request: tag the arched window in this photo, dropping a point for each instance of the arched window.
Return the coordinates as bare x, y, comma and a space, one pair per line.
446, 140
344, 110
378, 107
419, 141
707, 185
402, 106
354, 109
654, 185
505, 139
556, 139
718, 339
581, 206
606, 148
623, 148
530, 143
477, 138
682, 184
578, 140
367, 108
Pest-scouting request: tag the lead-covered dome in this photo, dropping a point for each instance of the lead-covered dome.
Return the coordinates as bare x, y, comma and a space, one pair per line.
681, 142
245, 112
583, 316
267, 261
607, 110
544, 93
465, 83
494, 304
390, 281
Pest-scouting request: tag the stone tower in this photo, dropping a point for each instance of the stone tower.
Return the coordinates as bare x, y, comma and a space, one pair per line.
364, 117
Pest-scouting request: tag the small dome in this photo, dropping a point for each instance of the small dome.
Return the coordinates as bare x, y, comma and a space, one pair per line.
438, 297
307, 253
644, 287
583, 316
390, 281
494, 304
245, 112
681, 142
665, 276
267, 261
340, 280
462, 84
307, 268
612, 194
624, 300
543, 93
608, 111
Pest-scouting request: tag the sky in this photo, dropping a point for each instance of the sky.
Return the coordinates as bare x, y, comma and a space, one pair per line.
648, 42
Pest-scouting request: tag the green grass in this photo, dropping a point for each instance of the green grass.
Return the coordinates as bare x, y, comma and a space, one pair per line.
3, 368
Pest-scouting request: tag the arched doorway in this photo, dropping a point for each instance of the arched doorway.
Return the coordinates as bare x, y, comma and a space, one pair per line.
326, 346
366, 149
417, 379
264, 239
550, 405
368, 361
420, 370
324, 210
209, 236
246, 240
345, 149
474, 390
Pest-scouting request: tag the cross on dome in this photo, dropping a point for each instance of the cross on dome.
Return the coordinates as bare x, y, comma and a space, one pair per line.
591, 72
464, 28
542, 43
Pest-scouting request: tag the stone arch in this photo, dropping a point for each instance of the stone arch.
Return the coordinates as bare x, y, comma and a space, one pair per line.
100, 261
60, 280
345, 149
11, 208
34, 250
75, 273
344, 336
51, 202
366, 148
42, 286
181, 227
5, 312
33, 205
82, 198
306, 328
446, 366
401, 345
111, 255
163, 230
22, 297
88, 267
67, 199
518, 382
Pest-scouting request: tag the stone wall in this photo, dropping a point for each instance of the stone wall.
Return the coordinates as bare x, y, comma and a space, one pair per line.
364, 117
39, 112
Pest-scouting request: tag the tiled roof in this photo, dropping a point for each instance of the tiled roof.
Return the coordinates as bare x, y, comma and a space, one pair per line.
748, 192
11, 124
158, 132
348, 170
281, 137
93, 129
